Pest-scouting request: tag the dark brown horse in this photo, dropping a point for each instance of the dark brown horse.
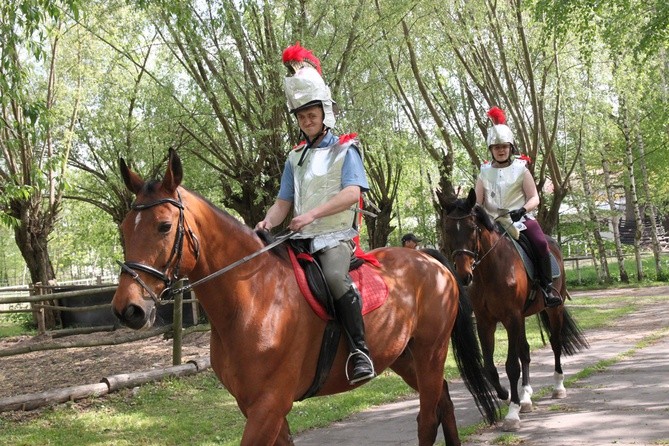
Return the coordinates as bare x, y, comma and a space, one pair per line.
499, 289
265, 338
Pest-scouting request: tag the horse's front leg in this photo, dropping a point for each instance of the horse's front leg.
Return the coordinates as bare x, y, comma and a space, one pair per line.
525, 391
486, 332
512, 419
266, 422
284, 438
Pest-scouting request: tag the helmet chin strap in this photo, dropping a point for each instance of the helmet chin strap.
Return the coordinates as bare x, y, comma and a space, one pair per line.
310, 143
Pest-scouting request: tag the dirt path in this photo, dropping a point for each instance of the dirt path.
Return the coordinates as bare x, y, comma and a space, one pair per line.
625, 404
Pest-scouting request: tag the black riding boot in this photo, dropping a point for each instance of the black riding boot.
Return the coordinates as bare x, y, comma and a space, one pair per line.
348, 311
546, 278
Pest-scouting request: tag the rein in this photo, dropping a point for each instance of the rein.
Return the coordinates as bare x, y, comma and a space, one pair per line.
131, 268
276, 242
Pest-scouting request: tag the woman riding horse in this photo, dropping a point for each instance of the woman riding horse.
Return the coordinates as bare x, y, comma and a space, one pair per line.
505, 183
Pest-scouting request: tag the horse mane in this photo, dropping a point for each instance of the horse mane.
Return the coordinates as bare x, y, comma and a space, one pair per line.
265, 237
150, 187
484, 218
278, 250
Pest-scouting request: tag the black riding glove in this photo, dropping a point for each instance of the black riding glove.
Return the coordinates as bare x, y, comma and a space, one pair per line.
517, 214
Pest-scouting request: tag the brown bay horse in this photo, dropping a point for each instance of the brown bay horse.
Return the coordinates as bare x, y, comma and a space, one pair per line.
265, 338
499, 287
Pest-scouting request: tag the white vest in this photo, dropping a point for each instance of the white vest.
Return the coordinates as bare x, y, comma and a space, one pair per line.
503, 187
316, 181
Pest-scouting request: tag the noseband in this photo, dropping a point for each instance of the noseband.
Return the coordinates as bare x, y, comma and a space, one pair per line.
131, 268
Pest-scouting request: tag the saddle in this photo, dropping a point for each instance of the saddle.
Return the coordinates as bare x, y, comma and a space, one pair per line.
310, 279
530, 259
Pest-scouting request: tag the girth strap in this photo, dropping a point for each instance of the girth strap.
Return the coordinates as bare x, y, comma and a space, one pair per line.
326, 358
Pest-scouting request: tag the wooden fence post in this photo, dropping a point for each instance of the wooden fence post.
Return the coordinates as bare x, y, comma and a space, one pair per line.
177, 326
39, 314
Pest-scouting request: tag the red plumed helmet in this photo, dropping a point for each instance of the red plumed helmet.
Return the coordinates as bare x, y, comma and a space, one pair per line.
499, 132
296, 56
497, 115
304, 86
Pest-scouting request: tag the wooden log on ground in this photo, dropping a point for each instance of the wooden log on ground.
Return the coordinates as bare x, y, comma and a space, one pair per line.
126, 380
107, 385
202, 363
34, 400
63, 332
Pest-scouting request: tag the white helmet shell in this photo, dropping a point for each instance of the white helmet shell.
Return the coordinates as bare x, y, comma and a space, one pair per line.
499, 134
305, 88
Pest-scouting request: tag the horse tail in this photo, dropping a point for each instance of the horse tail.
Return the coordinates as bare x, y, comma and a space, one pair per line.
572, 338
467, 351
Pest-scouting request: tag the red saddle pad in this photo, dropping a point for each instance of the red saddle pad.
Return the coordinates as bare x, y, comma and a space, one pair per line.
373, 289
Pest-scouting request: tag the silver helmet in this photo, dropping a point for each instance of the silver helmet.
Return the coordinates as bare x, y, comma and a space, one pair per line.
499, 132
305, 86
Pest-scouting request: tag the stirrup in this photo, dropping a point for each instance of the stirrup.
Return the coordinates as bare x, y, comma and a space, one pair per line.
551, 303
363, 377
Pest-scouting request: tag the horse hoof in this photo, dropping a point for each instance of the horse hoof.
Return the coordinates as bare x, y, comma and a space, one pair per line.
511, 426
526, 407
559, 394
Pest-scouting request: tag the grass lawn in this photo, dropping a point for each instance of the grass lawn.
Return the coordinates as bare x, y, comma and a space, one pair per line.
197, 410
9, 328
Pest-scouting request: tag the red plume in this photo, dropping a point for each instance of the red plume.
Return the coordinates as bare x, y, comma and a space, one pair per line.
497, 116
299, 54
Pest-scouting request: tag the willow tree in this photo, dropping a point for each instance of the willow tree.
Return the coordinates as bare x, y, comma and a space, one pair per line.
230, 53
130, 108
635, 37
38, 111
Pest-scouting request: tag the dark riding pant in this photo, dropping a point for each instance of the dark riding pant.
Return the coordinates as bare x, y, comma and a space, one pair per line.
538, 239
536, 236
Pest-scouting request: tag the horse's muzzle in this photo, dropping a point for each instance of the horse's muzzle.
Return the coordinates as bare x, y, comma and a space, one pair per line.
136, 317
466, 279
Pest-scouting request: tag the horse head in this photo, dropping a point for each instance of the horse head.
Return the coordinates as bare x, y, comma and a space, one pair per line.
462, 234
153, 235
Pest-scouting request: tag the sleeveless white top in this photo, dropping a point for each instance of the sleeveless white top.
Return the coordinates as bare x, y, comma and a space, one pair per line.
503, 187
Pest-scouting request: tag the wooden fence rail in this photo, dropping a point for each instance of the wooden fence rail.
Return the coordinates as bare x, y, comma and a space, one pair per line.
175, 330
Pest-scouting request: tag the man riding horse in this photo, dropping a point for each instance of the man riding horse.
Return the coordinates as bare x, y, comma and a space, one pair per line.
505, 187
322, 179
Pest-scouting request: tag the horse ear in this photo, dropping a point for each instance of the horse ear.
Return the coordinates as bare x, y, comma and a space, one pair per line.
174, 173
471, 198
132, 181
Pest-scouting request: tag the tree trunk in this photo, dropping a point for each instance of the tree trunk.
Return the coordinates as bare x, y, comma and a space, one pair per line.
629, 155
32, 239
649, 208
615, 221
379, 227
604, 275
